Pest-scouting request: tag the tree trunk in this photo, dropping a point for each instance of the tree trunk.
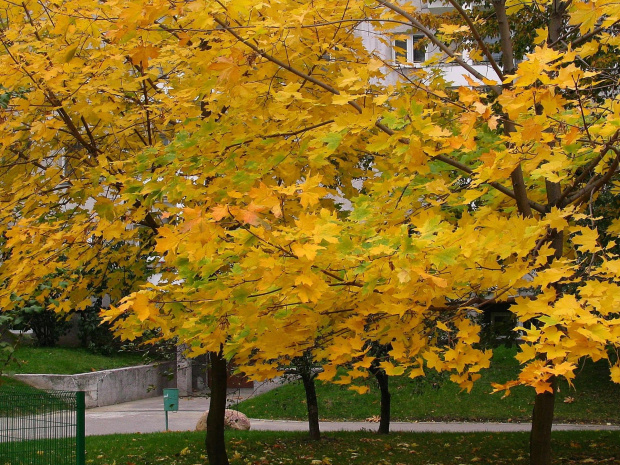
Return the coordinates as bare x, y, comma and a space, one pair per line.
542, 416
556, 21
542, 420
216, 445
382, 380
505, 36
313, 406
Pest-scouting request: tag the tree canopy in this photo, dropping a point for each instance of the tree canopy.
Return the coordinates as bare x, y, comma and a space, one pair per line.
251, 156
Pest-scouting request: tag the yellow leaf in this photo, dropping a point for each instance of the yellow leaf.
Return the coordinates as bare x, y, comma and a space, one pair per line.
563, 369
328, 373
366, 362
433, 361
587, 241
398, 351
472, 194
167, 241
360, 389
450, 29
83, 304
374, 64
142, 306
220, 211
307, 250
342, 99
392, 370
415, 372
141, 55
441, 325
70, 53
228, 70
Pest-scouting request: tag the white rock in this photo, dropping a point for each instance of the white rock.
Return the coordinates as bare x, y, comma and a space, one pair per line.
232, 420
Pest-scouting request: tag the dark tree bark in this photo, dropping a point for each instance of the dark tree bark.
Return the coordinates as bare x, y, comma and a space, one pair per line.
505, 36
542, 417
544, 404
386, 397
216, 445
312, 404
542, 420
556, 20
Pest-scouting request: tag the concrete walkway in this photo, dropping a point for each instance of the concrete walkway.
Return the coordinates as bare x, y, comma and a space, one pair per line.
147, 416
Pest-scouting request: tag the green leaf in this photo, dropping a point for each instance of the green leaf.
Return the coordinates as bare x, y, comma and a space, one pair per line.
332, 140
447, 256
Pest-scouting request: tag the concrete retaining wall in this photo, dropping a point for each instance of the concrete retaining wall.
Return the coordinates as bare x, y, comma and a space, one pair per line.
110, 387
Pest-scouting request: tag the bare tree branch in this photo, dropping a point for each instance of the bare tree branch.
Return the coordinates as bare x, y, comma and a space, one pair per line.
476, 34
562, 202
596, 183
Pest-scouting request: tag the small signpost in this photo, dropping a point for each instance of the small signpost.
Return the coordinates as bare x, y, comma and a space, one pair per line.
171, 402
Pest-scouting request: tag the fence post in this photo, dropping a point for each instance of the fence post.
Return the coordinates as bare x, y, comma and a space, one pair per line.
80, 429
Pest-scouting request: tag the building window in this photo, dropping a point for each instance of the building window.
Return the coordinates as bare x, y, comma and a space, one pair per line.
409, 51
480, 58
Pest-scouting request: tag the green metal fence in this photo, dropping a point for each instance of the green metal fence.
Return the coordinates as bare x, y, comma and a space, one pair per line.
41, 427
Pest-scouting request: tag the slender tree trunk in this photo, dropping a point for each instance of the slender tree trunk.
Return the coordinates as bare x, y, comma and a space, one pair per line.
386, 397
542, 416
312, 404
556, 20
216, 446
542, 420
505, 36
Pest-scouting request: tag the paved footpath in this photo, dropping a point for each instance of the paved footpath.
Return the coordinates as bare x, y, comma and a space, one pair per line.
147, 416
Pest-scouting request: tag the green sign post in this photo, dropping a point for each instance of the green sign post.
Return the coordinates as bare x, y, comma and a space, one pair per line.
171, 402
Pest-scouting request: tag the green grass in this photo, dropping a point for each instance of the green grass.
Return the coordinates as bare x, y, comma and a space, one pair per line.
7, 384
594, 399
66, 361
17, 399
262, 448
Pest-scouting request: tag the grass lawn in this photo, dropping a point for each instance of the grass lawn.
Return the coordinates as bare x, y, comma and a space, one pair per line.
263, 448
10, 383
595, 398
66, 361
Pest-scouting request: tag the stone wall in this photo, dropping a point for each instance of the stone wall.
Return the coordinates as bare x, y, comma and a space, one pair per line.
110, 387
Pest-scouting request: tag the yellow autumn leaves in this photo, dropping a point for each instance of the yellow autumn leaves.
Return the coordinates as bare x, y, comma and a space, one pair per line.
250, 159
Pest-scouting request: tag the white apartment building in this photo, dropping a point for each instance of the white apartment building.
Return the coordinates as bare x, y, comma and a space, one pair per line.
403, 50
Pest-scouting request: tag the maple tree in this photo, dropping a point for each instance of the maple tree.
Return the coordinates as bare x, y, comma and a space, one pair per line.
289, 202
307, 370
